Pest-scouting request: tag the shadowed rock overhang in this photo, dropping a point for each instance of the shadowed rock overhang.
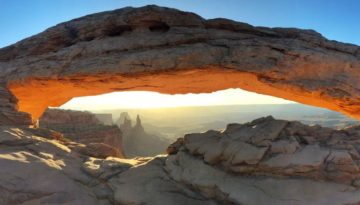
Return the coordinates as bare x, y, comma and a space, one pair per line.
170, 51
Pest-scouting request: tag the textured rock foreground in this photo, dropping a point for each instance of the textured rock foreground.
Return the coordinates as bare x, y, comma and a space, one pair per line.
170, 51
263, 162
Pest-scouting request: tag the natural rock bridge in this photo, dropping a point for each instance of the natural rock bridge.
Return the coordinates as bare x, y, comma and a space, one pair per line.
169, 51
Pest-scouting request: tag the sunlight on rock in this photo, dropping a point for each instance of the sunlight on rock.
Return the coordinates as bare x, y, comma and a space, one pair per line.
16, 156
158, 106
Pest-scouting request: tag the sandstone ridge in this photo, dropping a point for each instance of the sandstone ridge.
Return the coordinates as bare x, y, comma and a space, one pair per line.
170, 51
266, 161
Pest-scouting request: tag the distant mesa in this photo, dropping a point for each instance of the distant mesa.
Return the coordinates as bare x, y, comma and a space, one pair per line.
84, 127
121, 140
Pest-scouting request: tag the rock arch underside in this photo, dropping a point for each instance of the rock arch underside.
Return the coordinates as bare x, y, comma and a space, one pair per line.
170, 51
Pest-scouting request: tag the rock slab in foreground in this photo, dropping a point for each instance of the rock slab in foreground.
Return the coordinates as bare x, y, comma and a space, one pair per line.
264, 162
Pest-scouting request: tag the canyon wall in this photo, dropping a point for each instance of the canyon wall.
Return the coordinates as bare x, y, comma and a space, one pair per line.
9, 114
170, 51
85, 128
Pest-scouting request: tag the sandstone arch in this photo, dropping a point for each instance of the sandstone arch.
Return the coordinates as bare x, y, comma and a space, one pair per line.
170, 51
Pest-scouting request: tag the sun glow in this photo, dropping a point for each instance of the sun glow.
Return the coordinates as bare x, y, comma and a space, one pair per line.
144, 99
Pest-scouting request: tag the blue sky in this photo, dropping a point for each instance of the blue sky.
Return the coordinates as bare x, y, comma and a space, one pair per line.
335, 19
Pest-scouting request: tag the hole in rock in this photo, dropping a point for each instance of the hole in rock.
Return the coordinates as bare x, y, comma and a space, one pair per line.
159, 27
142, 123
117, 30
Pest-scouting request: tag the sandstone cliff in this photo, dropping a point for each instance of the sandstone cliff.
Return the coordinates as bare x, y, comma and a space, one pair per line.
85, 128
171, 51
9, 114
263, 162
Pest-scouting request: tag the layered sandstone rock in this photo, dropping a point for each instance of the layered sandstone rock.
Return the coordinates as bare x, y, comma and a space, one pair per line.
37, 170
270, 161
170, 51
263, 162
84, 127
9, 114
279, 148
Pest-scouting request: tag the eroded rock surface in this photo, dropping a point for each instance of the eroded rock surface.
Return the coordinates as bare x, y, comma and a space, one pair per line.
271, 147
84, 127
38, 170
171, 51
39, 167
277, 162
9, 114
270, 161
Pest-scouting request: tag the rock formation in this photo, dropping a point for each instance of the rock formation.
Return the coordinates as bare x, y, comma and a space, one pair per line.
278, 148
263, 162
124, 116
124, 123
270, 161
9, 114
171, 51
137, 142
266, 161
84, 127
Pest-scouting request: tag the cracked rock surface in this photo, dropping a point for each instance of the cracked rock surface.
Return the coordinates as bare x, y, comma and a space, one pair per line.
263, 162
38, 167
269, 161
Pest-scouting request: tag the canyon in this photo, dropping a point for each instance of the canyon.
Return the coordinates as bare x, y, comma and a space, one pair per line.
265, 161
98, 132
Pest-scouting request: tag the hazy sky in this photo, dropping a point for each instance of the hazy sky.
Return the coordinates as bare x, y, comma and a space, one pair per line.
335, 19
156, 100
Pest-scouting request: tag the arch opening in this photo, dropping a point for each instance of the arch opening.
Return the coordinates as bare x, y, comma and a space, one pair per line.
35, 95
231, 105
143, 124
